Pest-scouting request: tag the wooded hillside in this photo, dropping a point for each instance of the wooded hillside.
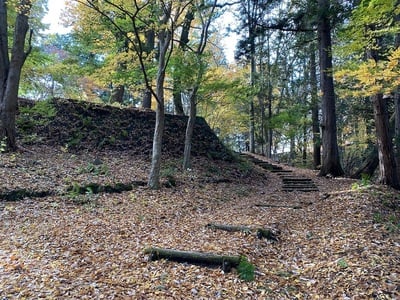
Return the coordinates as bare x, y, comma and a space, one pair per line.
80, 125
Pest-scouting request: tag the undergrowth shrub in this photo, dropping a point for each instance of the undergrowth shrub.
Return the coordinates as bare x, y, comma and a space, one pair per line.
41, 114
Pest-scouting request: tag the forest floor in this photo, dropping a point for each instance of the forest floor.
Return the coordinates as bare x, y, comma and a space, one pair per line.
341, 242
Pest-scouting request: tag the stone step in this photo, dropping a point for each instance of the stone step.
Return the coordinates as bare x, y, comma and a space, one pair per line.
281, 171
300, 190
296, 179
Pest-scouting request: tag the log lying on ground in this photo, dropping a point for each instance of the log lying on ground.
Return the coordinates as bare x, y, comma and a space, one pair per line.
267, 233
229, 228
279, 206
225, 261
20, 194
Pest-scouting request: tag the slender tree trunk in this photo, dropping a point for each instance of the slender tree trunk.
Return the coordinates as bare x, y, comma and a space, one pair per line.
148, 49
189, 131
270, 132
164, 44
154, 177
252, 37
177, 98
146, 99
330, 158
183, 42
304, 145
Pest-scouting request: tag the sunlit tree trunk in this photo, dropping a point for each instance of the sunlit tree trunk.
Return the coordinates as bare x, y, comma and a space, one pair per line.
10, 69
165, 39
330, 150
189, 131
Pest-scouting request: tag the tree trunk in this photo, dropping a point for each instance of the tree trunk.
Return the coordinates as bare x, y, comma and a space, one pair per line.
189, 131
330, 158
11, 70
148, 49
387, 163
146, 99
177, 98
315, 110
183, 42
397, 107
164, 44
397, 128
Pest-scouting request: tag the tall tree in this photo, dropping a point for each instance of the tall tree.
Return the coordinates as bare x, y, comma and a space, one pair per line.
372, 24
251, 12
164, 17
11, 63
206, 15
330, 150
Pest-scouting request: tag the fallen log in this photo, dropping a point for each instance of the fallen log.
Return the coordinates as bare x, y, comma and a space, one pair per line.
229, 228
266, 233
19, 194
225, 261
279, 206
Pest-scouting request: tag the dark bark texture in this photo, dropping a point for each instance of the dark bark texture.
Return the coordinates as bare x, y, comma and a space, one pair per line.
330, 158
387, 162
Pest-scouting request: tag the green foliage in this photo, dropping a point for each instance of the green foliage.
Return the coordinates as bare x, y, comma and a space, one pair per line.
82, 195
246, 269
101, 169
365, 179
169, 174
364, 182
41, 114
3, 145
342, 263
390, 222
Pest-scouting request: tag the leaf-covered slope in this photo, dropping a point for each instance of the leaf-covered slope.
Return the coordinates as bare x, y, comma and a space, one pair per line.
339, 243
84, 125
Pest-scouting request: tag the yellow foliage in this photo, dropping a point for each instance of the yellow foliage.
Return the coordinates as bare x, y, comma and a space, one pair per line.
370, 77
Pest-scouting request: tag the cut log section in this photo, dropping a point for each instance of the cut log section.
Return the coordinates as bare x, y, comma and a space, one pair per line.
209, 259
266, 233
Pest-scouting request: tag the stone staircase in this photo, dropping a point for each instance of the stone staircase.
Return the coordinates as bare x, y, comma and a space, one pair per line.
290, 181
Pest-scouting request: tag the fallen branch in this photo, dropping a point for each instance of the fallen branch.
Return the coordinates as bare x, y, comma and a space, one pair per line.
279, 206
229, 228
266, 233
225, 261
